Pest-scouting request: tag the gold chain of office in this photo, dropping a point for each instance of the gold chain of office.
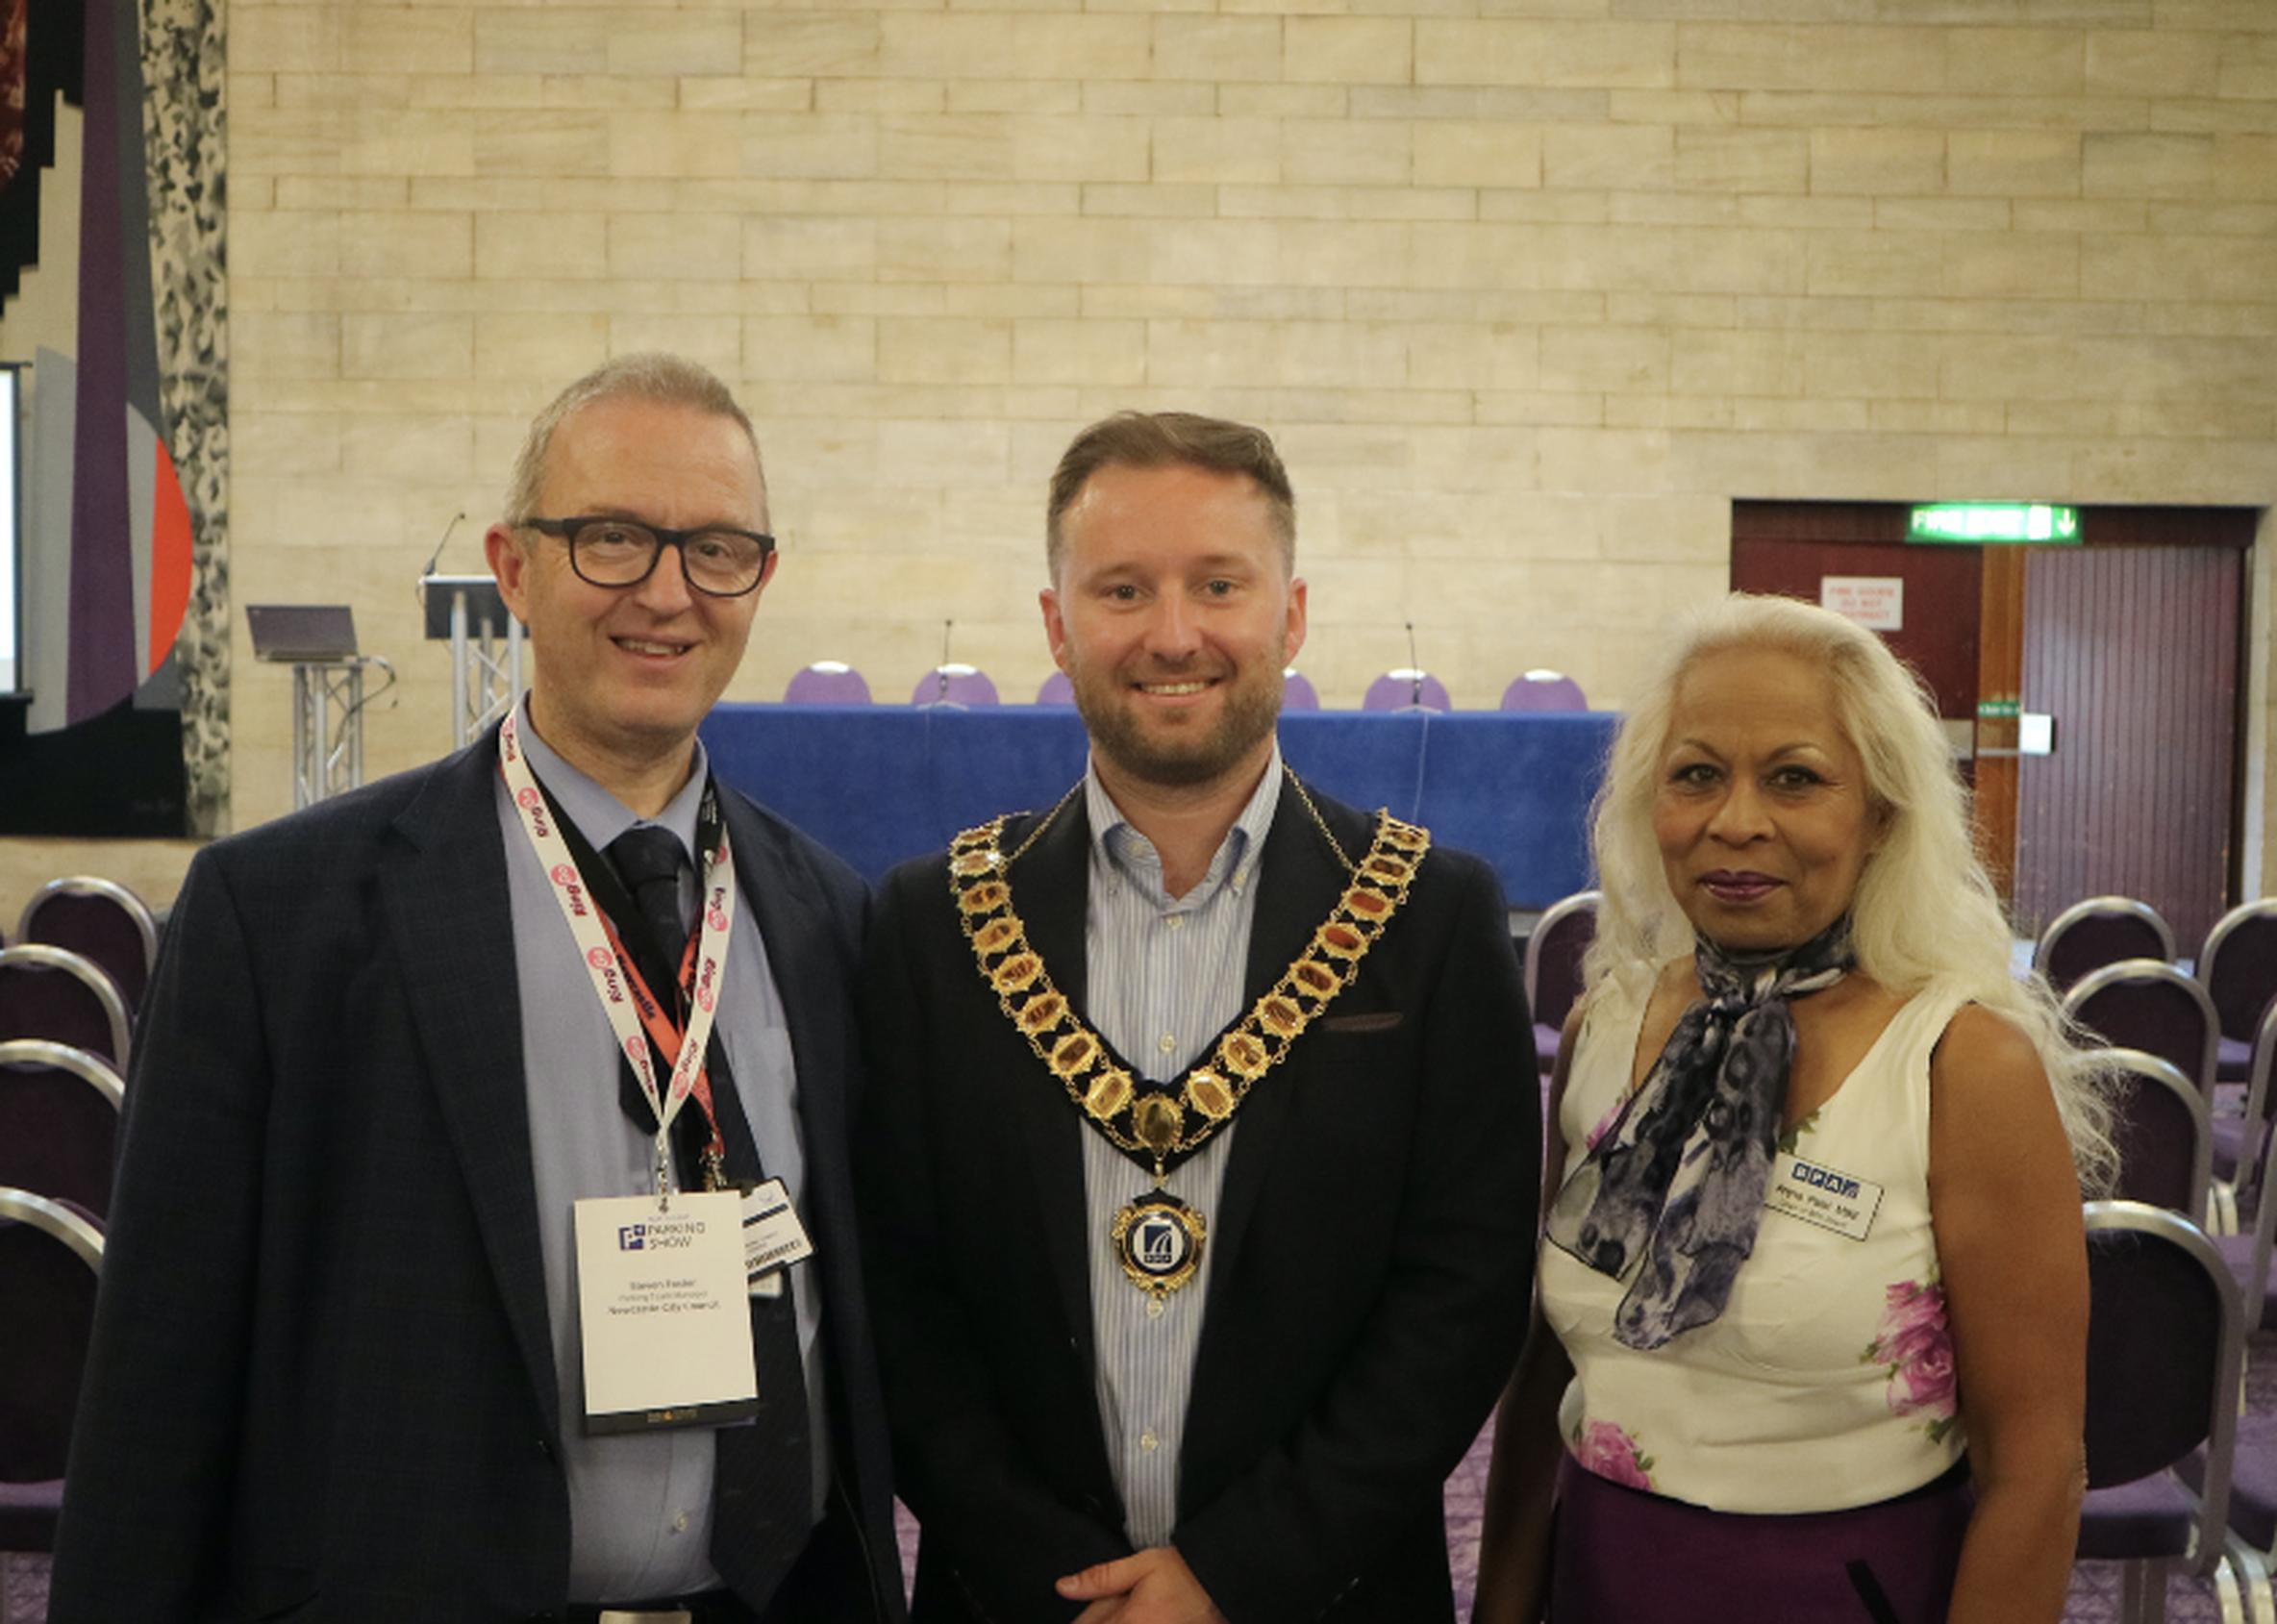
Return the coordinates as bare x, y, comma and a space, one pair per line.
1160, 1120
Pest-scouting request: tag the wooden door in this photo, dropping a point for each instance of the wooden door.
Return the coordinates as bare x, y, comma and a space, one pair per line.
2134, 651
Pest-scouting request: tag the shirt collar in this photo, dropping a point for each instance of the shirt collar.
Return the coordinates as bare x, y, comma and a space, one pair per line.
599, 816
1131, 854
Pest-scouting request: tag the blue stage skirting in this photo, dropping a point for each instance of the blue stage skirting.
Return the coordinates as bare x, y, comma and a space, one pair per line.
878, 783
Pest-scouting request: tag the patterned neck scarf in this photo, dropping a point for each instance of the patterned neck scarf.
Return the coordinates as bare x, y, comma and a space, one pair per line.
1679, 1178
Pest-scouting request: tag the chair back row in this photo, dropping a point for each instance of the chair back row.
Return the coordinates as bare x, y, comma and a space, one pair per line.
98, 919
50, 1257
64, 997
59, 1122
2165, 1339
834, 681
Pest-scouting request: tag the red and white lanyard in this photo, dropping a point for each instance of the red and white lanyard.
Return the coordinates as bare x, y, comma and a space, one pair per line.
609, 968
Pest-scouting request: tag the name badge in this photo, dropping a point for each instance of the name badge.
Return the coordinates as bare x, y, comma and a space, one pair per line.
663, 1316
773, 1238
1822, 1196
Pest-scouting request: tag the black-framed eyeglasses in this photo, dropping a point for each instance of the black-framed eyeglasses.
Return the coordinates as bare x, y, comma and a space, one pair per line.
718, 561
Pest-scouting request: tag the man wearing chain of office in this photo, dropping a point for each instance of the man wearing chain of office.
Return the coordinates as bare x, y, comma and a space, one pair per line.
1200, 1164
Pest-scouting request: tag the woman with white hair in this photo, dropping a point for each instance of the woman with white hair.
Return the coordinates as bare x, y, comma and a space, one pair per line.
1810, 1336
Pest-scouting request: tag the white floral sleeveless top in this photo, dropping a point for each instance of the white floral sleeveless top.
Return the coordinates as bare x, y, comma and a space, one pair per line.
1828, 1381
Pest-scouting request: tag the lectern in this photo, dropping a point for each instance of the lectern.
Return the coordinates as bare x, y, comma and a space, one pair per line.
318, 641
486, 649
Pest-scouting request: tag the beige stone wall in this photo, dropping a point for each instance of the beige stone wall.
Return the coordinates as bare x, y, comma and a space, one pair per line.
1528, 289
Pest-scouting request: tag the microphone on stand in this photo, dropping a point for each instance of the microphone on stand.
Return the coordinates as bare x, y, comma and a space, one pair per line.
941, 672
1415, 671
456, 520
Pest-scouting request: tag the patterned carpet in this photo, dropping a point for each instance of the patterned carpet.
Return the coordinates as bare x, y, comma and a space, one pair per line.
2094, 1586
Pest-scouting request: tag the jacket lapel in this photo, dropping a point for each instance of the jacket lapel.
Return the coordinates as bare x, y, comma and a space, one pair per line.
792, 924
444, 893
1051, 890
1297, 882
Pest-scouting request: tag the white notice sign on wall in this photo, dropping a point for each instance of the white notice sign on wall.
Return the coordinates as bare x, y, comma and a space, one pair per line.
1877, 601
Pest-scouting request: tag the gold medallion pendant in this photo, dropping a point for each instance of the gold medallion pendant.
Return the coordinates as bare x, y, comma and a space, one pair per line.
1159, 1239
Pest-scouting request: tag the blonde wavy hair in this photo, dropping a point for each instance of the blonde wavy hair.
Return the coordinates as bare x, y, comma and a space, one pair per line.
1925, 910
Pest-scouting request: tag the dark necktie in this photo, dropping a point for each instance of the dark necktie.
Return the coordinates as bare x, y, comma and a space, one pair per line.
764, 1483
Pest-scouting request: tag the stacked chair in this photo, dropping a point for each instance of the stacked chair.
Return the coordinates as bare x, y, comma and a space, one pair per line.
2102, 929
96, 919
2238, 966
2164, 1342
2146, 1004
1553, 968
50, 1254
82, 960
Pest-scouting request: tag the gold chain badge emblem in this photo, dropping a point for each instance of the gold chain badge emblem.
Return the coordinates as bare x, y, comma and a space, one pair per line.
1159, 1237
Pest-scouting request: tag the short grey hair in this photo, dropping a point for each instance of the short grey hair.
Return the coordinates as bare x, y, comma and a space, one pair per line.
651, 375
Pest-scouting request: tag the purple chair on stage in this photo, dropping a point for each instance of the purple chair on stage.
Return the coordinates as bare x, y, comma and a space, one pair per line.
2164, 1350
50, 1255
2101, 931
98, 919
59, 1122
1544, 690
1057, 690
1553, 968
2159, 1125
54, 993
2239, 967
2142, 1004
1298, 692
961, 685
1406, 689
826, 682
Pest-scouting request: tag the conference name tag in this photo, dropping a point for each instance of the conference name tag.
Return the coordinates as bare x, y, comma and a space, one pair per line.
773, 1238
1822, 1196
662, 1310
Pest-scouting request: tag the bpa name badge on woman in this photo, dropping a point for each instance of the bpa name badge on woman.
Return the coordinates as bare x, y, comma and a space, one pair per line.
663, 1311
1822, 1195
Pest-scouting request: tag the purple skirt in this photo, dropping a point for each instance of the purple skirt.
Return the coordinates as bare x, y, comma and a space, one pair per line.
1623, 1555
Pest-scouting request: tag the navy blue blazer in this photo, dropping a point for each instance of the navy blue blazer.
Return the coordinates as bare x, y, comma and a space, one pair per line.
1374, 1245
321, 1385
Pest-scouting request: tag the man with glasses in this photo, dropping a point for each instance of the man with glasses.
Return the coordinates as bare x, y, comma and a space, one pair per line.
483, 1246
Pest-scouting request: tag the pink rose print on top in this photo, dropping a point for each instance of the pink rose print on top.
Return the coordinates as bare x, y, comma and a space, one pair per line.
1604, 1450
1915, 1347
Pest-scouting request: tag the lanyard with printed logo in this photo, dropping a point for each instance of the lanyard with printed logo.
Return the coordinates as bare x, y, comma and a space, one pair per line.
636, 1016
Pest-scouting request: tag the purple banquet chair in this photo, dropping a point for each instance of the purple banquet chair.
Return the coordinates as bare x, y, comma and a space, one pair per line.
2253, 1466
2163, 1351
1544, 690
98, 919
1553, 968
2142, 1004
2248, 1253
54, 993
961, 685
1298, 692
826, 682
2159, 1126
2239, 967
2100, 931
59, 1122
50, 1255
1057, 690
1406, 689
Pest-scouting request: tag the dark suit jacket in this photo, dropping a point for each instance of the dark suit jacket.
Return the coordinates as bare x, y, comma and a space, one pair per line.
1373, 1251
322, 1385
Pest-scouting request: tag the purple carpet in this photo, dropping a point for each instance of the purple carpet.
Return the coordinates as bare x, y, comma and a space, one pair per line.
2094, 1586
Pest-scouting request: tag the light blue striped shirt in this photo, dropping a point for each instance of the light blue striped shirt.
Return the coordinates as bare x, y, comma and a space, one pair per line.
640, 1503
1163, 977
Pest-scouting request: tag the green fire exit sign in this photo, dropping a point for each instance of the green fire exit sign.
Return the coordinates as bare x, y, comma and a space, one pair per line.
1978, 522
